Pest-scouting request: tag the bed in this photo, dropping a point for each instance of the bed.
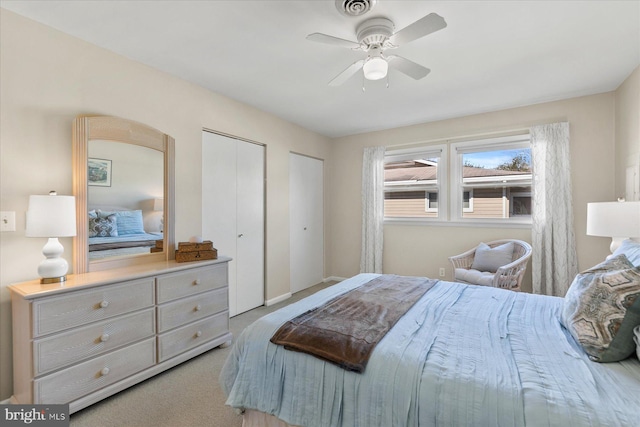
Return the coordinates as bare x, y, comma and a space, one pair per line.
462, 355
119, 231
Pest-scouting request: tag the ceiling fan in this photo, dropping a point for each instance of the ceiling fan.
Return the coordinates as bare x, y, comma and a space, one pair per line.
376, 35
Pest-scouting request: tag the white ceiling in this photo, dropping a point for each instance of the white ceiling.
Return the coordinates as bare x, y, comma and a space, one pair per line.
492, 55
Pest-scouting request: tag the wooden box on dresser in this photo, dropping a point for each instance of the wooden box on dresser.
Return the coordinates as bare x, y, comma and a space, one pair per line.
101, 332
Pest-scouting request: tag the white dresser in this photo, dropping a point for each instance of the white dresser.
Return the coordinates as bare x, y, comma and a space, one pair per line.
102, 332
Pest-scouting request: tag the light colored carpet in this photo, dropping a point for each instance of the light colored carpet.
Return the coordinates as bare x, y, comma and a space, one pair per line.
187, 395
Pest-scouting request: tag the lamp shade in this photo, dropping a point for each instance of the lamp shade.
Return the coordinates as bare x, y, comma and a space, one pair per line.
613, 219
51, 216
158, 204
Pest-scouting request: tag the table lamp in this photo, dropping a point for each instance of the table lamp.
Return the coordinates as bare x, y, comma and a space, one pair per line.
52, 216
618, 220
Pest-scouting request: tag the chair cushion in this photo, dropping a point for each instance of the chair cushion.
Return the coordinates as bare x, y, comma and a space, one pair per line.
490, 259
475, 277
602, 308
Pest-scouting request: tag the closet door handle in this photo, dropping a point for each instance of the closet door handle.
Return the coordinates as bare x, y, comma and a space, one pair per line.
240, 235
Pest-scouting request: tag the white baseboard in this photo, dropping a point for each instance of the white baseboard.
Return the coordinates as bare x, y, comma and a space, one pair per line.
5, 402
334, 279
278, 299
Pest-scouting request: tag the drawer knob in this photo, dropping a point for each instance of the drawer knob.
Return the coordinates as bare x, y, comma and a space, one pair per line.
104, 304
199, 333
196, 282
105, 371
104, 337
198, 307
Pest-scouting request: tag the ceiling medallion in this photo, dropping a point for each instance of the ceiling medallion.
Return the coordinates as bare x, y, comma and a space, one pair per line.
354, 7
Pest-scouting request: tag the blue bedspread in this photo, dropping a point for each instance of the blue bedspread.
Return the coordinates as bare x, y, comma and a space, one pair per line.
462, 356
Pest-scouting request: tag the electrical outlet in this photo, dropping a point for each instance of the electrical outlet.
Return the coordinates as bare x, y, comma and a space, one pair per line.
7, 221
441, 271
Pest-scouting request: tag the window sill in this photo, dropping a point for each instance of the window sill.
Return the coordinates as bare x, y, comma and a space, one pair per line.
466, 223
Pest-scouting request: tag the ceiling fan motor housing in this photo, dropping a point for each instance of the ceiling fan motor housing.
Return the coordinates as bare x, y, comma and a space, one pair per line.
375, 31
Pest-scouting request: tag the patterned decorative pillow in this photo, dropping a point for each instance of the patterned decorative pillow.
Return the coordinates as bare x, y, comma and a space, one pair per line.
103, 227
602, 307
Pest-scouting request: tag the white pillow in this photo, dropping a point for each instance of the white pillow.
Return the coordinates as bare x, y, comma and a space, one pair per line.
490, 259
631, 250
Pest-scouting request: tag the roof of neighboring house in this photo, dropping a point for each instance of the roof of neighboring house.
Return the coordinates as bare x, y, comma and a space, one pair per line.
413, 171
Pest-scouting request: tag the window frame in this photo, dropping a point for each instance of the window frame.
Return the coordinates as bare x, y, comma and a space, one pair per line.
436, 150
458, 185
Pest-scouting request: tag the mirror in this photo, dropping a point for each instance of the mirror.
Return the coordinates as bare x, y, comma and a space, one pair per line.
124, 186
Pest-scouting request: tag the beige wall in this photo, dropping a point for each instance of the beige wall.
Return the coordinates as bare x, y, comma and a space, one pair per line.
627, 128
47, 78
421, 249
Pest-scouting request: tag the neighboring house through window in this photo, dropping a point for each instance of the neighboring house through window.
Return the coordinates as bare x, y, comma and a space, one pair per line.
413, 183
489, 180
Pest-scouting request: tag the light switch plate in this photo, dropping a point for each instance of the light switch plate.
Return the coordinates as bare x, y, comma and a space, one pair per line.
7, 221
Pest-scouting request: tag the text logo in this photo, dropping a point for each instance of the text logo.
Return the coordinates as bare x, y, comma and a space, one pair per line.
34, 415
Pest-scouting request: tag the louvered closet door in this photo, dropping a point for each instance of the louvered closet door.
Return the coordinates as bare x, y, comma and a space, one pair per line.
233, 214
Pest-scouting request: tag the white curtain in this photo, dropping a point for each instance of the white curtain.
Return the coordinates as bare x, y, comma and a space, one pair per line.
554, 261
372, 209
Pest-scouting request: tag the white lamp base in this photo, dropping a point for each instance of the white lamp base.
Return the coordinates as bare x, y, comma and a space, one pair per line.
53, 268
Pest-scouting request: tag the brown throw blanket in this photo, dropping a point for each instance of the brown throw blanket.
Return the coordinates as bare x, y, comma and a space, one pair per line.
346, 329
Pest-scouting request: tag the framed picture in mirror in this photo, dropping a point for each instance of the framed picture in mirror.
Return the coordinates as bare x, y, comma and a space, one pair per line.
99, 172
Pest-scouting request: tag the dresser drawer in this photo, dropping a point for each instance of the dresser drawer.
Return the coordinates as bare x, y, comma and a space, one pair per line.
179, 340
184, 283
72, 383
69, 347
79, 308
180, 312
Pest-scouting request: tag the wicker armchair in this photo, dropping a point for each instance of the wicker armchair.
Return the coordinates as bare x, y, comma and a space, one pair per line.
508, 276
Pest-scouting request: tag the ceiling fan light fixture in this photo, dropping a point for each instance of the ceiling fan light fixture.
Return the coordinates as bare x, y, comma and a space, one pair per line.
375, 68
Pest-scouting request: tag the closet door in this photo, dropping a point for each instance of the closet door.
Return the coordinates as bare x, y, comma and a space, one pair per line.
233, 214
250, 226
306, 216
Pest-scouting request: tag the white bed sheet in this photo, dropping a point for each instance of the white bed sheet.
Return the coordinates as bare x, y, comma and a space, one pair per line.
463, 355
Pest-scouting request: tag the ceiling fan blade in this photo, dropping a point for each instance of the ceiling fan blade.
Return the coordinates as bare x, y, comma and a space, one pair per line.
323, 38
407, 67
346, 74
427, 25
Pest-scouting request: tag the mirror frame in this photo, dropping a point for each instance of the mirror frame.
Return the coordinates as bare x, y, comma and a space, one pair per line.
87, 128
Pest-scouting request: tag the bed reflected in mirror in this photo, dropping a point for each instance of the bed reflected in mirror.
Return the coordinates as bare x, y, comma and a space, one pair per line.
125, 197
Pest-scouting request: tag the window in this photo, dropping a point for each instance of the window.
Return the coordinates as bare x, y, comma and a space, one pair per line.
432, 201
491, 179
412, 183
520, 204
467, 201
472, 181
